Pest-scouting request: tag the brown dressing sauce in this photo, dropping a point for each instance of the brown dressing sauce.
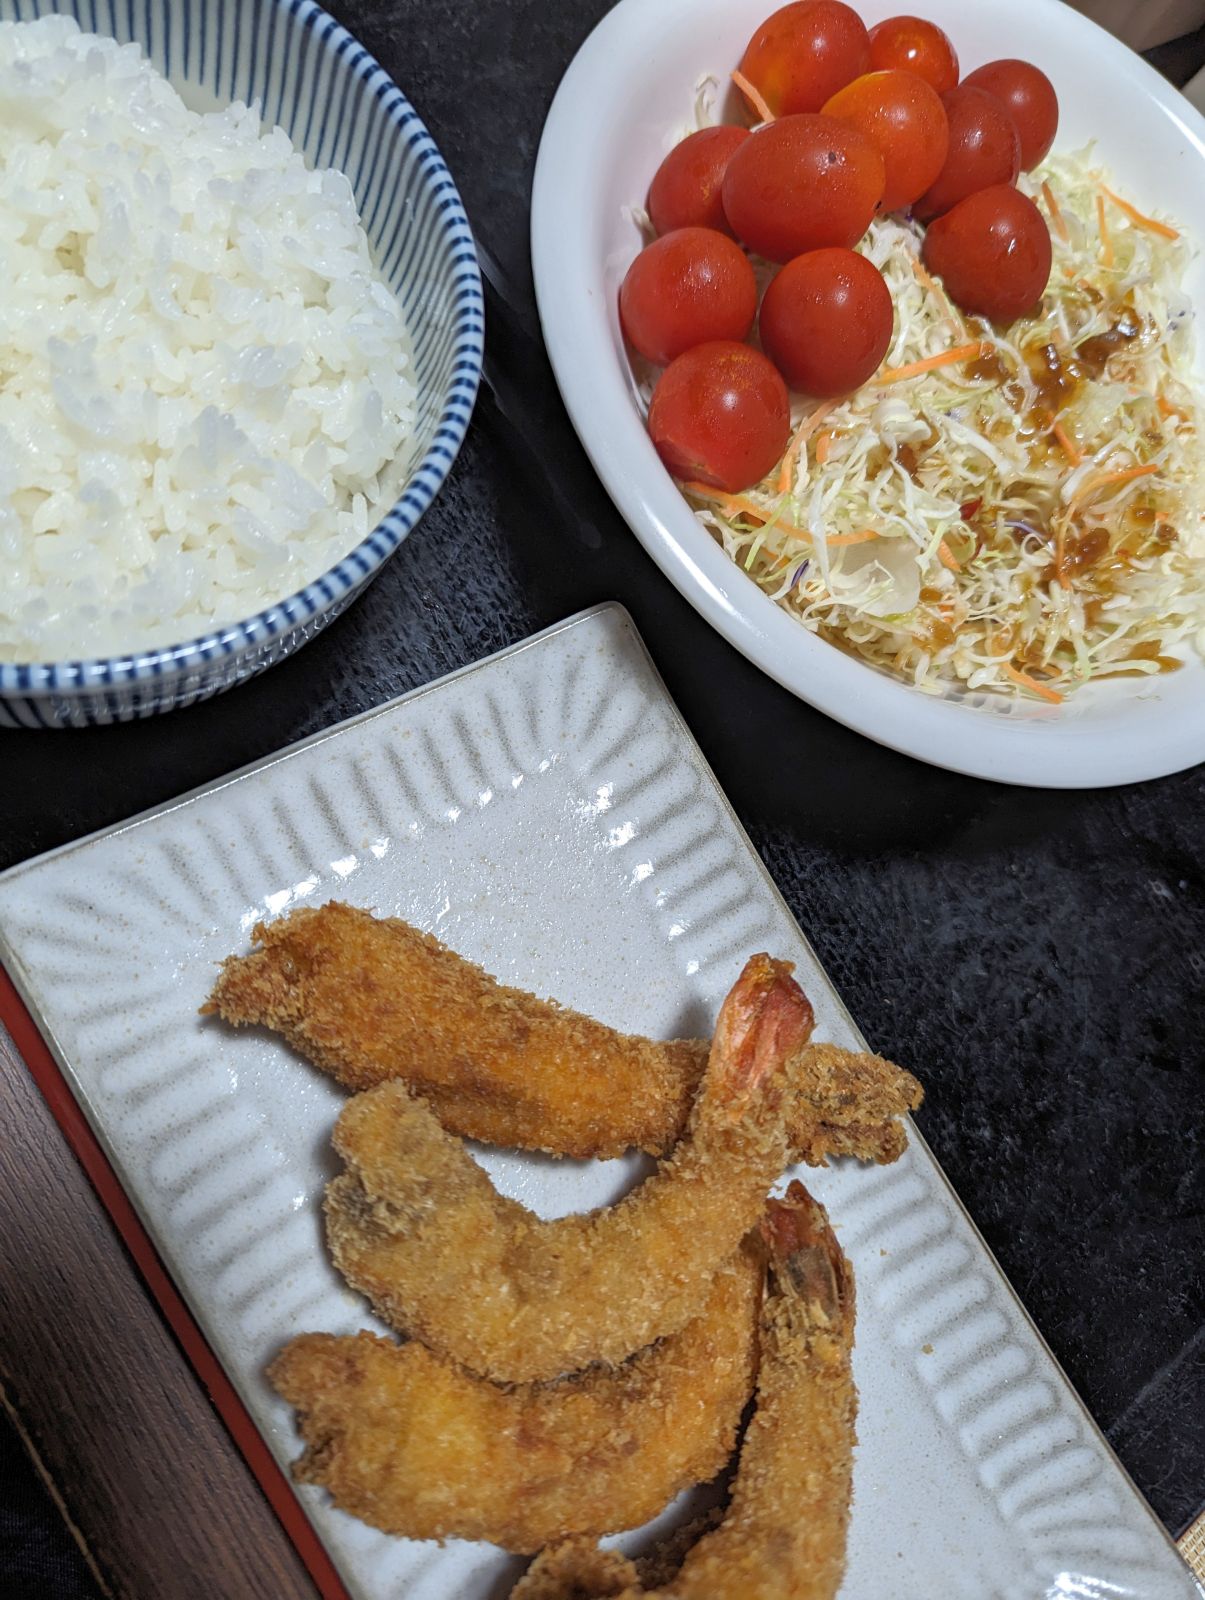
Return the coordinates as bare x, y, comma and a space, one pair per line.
1084, 550
1086, 553
1151, 650
937, 634
1055, 380
988, 368
1055, 375
1092, 355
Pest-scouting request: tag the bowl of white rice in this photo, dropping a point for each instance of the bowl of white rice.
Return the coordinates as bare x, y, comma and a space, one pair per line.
240, 339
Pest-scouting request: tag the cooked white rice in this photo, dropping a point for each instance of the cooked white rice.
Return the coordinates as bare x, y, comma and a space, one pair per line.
202, 376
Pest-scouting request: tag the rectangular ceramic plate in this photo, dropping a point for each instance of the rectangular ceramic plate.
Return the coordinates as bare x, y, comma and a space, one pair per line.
548, 814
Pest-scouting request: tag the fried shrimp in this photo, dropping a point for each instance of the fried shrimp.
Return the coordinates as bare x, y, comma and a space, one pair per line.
783, 1537
369, 999
418, 1227
415, 1445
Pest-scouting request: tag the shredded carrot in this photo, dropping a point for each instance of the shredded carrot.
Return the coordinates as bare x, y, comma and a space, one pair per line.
927, 281
1056, 216
1101, 479
1106, 242
863, 537
1032, 684
1166, 409
923, 275
753, 95
947, 558
1067, 444
935, 288
786, 473
824, 447
824, 409
739, 505
1129, 472
963, 352
1139, 218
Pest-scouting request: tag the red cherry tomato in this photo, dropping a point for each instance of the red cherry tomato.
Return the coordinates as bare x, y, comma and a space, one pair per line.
907, 120
1031, 101
910, 44
803, 54
720, 415
826, 321
802, 183
685, 191
992, 252
985, 149
691, 285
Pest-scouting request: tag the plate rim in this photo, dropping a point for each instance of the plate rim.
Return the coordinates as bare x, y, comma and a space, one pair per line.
287, 751
1041, 748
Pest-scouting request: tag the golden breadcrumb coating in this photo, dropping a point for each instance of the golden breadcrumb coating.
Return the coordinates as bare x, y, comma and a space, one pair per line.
368, 999
783, 1537
415, 1445
417, 1225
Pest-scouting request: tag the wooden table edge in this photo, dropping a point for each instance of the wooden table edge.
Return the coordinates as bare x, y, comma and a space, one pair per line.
32, 1051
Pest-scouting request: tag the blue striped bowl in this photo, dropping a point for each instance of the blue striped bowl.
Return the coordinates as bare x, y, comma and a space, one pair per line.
341, 110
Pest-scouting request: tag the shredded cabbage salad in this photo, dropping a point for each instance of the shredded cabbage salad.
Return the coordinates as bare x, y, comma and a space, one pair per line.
1023, 510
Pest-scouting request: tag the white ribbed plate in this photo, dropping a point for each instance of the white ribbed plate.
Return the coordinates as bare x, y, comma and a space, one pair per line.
548, 814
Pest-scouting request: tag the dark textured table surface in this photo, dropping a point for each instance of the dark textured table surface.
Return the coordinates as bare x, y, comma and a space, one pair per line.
1039, 958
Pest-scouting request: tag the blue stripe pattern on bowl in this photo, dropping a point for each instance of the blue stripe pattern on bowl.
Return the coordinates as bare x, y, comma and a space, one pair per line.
341, 110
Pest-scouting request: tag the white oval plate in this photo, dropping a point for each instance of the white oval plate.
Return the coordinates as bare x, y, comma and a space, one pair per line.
619, 108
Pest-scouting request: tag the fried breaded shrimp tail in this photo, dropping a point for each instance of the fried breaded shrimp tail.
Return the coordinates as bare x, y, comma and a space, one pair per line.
369, 999
783, 1537
417, 1225
415, 1445
849, 1104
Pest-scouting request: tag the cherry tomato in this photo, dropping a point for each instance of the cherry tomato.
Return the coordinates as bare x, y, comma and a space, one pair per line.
910, 44
907, 120
689, 286
685, 191
802, 183
803, 54
826, 321
1031, 101
720, 415
992, 252
985, 149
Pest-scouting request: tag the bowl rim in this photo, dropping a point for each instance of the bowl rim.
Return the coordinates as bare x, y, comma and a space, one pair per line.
73, 678
1032, 745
